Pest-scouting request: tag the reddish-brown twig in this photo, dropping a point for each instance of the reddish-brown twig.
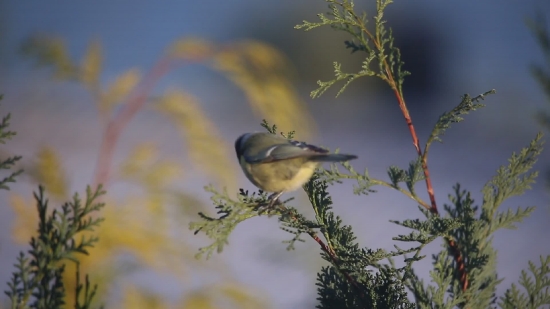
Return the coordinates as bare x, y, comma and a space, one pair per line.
116, 125
335, 261
135, 101
455, 250
328, 250
390, 79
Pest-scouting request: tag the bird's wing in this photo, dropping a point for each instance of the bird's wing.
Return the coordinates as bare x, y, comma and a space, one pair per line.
290, 150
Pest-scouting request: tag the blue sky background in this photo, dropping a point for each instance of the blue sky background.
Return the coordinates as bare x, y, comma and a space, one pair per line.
451, 48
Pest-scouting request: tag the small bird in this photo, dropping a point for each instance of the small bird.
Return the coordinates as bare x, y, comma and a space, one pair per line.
276, 164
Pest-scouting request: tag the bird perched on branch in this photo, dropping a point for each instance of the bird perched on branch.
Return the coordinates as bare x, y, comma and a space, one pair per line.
276, 164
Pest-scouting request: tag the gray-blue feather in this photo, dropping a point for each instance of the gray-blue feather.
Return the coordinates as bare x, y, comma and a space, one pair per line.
333, 157
265, 148
280, 152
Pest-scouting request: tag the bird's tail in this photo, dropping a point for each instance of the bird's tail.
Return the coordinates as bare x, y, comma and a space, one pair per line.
333, 157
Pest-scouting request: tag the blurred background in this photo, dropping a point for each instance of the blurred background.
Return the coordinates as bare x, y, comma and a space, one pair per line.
148, 97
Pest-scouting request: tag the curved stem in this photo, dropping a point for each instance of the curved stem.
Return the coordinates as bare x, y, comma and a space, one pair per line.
389, 185
335, 261
117, 124
389, 78
329, 250
405, 192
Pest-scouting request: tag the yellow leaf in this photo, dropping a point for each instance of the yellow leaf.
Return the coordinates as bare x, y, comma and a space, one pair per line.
264, 56
50, 51
204, 145
197, 301
135, 228
91, 65
162, 173
230, 61
191, 49
26, 219
263, 74
142, 155
119, 89
136, 298
144, 166
155, 203
231, 295
47, 170
242, 296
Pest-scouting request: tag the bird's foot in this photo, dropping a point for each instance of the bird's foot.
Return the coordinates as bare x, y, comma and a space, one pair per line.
273, 203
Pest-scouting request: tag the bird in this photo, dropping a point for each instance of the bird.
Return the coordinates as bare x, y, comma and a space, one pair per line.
276, 164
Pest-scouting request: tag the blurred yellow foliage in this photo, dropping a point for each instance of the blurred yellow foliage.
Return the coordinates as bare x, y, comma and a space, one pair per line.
135, 226
50, 51
119, 90
130, 227
204, 145
142, 233
144, 165
26, 220
142, 224
227, 295
191, 49
91, 65
154, 175
47, 170
135, 298
212, 297
262, 73
242, 296
199, 300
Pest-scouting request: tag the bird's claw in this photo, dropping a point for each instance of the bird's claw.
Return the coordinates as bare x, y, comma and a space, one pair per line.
272, 204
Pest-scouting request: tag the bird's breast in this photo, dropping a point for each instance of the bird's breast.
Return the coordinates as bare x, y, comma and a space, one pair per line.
286, 175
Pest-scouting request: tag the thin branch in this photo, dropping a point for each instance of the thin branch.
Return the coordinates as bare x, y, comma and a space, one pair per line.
405, 192
461, 267
329, 251
117, 124
335, 261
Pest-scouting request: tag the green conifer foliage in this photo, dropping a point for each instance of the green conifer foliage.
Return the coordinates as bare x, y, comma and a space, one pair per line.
8, 163
37, 280
464, 270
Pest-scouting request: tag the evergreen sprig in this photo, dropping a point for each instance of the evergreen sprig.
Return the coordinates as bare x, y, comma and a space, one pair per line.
466, 105
377, 43
87, 288
474, 237
38, 280
513, 179
415, 172
541, 72
360, 269
347, 259
356, 285
536, 286
356, 272
273, 130
464, 271
230, 213
9, 162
